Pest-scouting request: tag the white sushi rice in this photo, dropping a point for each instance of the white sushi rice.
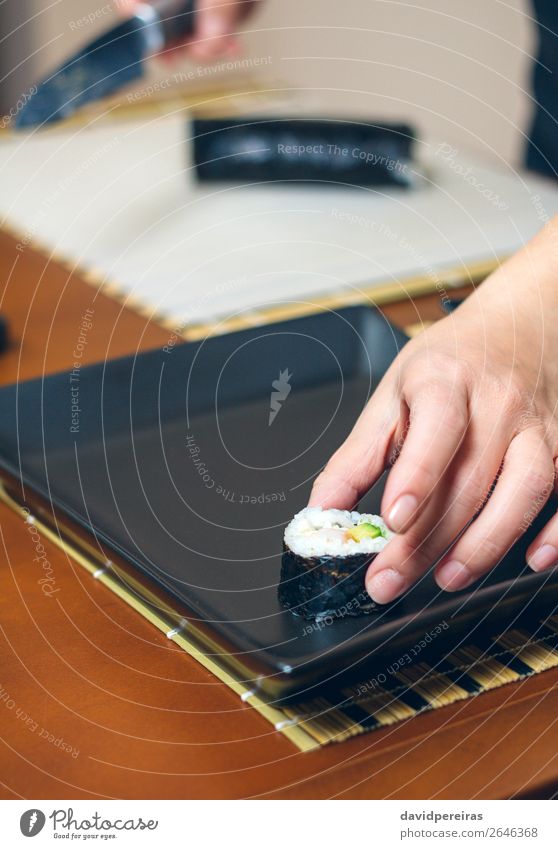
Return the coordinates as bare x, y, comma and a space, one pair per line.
317, 533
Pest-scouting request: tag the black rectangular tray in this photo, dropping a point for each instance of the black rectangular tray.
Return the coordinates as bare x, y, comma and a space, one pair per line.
172, 459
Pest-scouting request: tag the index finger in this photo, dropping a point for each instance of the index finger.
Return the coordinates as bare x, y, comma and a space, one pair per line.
362, 458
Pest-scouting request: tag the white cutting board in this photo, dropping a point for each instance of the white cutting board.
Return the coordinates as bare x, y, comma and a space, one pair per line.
122, 199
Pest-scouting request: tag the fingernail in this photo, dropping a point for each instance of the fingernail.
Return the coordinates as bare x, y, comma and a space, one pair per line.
386, 585
402, 512
454, 575
543, 558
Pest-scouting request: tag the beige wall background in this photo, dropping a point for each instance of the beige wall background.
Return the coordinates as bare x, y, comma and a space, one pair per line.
459, 70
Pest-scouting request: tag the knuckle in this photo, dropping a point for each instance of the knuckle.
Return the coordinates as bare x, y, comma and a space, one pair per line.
446, 406
432, 375
416, 554
530, 419
424, 478
470, 501
473, 491
440, 389
462, 372
487, 549
448, 368
455, 418
510, 398
539, 483
342, 465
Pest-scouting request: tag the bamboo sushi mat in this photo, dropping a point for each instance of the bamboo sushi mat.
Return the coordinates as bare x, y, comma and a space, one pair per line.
408, 690
405, 690
398, 692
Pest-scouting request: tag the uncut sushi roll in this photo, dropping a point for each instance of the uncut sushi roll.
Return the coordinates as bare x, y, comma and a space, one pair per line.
326, 555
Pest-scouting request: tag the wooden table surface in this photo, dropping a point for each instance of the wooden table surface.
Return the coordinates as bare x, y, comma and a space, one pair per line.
95, 703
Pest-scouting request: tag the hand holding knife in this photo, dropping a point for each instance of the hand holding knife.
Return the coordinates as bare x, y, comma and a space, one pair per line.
114, 60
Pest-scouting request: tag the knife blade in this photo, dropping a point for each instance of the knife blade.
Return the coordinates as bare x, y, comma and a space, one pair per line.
110, 62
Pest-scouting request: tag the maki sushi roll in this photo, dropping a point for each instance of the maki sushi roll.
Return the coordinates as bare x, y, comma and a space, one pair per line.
326, 555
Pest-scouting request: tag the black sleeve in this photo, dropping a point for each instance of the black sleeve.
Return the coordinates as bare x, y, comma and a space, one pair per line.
542, 147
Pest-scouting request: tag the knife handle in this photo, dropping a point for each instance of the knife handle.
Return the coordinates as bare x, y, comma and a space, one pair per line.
177, 18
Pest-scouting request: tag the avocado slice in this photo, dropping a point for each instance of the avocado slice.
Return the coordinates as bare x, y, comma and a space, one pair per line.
364, 531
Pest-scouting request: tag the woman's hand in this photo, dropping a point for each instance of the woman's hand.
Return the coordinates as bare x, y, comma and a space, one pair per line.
215, 24
467, 416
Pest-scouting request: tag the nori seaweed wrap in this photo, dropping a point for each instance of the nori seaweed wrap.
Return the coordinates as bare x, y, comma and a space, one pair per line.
326, 556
